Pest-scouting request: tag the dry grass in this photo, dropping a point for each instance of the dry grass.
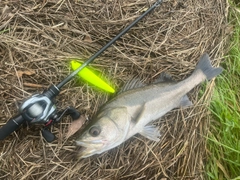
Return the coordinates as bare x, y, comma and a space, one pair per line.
40, 37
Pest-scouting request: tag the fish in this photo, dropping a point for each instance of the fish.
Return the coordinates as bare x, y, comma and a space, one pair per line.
136, 106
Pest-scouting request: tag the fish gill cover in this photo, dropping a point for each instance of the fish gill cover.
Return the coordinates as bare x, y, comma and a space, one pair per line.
38, 37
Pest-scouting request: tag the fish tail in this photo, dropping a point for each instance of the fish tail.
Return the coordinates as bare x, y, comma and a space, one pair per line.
205, 66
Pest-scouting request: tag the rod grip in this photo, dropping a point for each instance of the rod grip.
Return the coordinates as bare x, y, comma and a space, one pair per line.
11, 126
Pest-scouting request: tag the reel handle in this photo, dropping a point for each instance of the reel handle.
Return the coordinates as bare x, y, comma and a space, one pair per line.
11, 126
73, 113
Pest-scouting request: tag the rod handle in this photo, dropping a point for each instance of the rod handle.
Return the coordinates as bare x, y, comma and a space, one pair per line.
11, 126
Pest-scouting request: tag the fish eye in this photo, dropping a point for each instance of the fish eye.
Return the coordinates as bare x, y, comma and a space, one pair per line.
94, 131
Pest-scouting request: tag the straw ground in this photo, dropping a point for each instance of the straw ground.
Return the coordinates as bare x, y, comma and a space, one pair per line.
37, 39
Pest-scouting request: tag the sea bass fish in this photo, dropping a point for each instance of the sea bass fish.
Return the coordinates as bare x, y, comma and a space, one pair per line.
131, 111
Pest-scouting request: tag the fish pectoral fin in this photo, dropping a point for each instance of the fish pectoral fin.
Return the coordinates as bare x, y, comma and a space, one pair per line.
151, 132
185, 102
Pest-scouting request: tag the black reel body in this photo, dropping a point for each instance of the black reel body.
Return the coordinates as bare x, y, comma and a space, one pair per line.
39, 109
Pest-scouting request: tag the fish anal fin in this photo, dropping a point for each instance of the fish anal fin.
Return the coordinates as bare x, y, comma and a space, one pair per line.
185, 102
151, 132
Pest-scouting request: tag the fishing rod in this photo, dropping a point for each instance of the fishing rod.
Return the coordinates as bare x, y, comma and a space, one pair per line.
41, 108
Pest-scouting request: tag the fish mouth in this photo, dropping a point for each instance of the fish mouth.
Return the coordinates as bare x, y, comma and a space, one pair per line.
86, 149
81, 151
86, 143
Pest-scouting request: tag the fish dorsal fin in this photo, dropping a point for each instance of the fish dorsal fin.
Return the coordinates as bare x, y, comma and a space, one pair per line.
164, 78
134, 83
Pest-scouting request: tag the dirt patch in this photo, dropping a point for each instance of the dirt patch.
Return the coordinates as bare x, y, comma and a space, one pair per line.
37, 39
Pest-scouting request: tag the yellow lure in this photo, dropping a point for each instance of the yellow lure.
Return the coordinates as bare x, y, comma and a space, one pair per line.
92, 78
